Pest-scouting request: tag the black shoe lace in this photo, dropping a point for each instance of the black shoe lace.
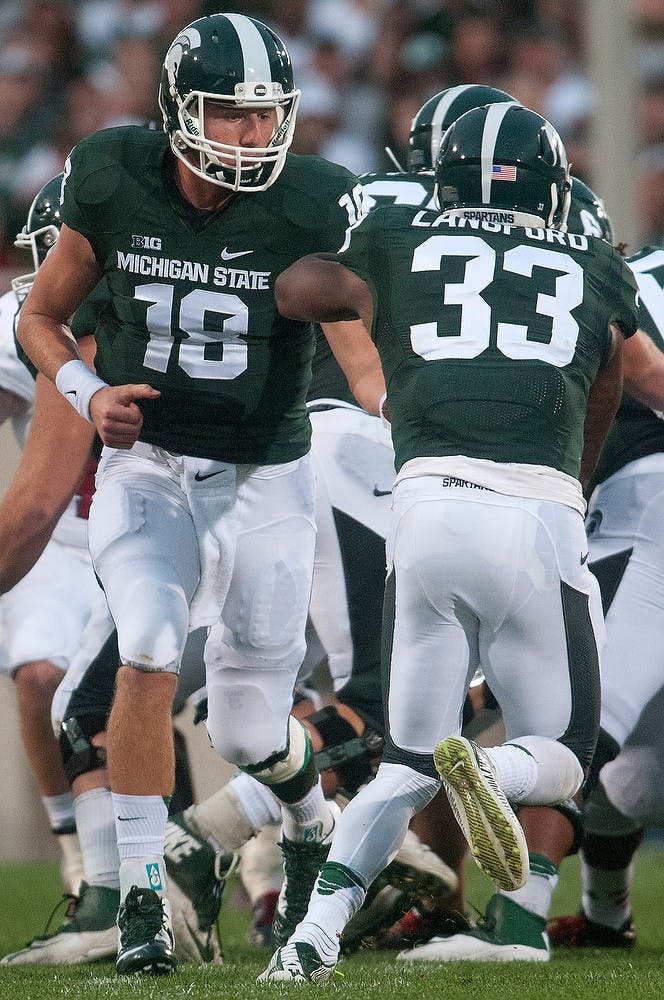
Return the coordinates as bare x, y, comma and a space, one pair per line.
141, 917
72, 902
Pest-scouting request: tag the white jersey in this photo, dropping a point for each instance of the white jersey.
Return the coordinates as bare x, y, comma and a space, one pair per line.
14, 376
44, 615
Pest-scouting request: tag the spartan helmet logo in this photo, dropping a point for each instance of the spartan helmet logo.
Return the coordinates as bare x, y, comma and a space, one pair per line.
189, 39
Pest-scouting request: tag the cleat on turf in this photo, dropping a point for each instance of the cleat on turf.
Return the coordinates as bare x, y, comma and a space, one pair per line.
196, 878
496, 840
87, 934
145, 937
580, 932
508, 933
417, 928
297, 962
416, 874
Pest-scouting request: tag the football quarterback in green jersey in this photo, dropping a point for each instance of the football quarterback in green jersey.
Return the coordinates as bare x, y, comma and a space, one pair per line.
500, 336
203, 513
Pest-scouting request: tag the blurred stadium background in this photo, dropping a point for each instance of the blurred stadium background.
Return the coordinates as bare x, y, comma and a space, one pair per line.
594, 68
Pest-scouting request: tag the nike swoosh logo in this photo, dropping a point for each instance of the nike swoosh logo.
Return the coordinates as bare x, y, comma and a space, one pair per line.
71, 392
381, 493
208, 475
226, 255
583, 558
127, 819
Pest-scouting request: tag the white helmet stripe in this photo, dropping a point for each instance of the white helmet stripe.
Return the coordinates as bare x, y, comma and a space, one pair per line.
494, 119
442, 108
254, 53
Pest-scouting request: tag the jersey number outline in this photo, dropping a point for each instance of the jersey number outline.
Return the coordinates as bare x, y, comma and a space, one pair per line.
475, 328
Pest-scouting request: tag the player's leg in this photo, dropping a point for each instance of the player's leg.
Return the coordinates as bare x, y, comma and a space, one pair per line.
145, 552
44, 617
542, 665
428, 676
626, 554
253, 658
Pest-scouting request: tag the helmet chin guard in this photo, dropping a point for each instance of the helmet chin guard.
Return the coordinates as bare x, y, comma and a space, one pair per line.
238, 62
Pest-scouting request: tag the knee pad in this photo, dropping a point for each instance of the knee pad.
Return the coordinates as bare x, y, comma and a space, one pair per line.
79, 754
350, 756
152, 633
291, 772
559, 772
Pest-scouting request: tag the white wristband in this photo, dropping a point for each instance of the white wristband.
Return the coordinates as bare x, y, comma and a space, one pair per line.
78, 384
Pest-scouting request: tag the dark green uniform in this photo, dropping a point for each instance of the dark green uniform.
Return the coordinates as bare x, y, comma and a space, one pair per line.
489, 334
192, 308
637, 431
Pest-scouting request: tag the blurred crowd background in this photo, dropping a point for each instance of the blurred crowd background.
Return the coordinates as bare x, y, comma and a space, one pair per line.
70, 67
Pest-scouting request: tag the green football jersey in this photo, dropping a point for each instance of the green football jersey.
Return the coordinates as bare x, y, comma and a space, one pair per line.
378, 189
638, 431
489, 334
191, 307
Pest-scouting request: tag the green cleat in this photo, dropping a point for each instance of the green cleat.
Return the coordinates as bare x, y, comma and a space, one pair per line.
87, 934
302, 862
508, 933
493, 832
196, 878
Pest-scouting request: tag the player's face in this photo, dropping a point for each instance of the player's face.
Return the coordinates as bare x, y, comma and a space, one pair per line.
251, 128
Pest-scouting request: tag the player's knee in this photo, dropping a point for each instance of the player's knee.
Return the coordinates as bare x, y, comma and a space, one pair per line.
559, 771
152, 626
601, 818
36, 682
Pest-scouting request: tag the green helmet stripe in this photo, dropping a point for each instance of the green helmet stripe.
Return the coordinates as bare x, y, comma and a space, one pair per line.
254, 53
494, 119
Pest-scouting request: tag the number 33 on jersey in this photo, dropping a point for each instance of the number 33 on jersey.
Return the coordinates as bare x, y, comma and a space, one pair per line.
484, 328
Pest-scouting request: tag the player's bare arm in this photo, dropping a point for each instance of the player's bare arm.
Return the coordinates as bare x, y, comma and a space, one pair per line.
643, 370
318, 287
41, 487
603, 402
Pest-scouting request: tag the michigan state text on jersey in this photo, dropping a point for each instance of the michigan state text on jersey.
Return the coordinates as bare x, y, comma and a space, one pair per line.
191, 308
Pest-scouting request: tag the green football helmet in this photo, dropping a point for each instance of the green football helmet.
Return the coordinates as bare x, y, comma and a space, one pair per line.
587, 214
506, 158
40, 232
434, 117
238, 61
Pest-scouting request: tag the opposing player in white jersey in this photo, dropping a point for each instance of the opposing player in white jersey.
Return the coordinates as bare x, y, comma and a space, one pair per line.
46, 612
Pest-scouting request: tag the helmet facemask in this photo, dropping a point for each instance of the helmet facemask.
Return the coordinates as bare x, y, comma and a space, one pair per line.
239, 168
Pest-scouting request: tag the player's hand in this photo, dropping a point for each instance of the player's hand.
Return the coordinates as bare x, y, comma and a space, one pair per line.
117, 415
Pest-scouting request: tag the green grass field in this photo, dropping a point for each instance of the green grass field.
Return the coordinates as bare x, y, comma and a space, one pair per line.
29, 890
